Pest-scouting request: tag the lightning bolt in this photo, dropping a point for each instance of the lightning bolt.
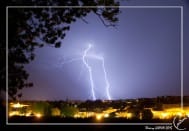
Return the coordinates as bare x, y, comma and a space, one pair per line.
100, 58
90, 71
70, 61
106, 79
89, 68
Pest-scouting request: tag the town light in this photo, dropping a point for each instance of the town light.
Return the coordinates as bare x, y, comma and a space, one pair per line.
106, 115
179, 114
164, 115
129, 115
28, 114
187, 114
38, 115
99, 117
17, 105
13, 113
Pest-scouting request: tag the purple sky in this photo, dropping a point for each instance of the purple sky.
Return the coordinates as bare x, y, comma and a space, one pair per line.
142, 57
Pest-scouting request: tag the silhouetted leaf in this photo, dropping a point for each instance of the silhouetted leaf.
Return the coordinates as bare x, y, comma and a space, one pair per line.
57, 44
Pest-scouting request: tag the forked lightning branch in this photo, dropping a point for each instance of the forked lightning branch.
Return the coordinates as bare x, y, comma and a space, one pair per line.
89, 68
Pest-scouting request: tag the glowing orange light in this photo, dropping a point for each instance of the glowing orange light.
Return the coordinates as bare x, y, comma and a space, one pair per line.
18, 105
179, 114
27, 114
129, 115
106, 115
164, 115
187, 114
11, 114
38, 115
98, 117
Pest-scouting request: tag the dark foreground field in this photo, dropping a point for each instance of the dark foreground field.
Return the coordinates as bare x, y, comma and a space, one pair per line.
91, 123
19, 119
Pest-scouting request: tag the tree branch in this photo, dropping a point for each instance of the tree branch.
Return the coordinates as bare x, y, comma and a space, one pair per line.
102, 20
84, 20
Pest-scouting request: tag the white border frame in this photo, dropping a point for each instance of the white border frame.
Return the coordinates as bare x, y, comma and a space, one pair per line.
181, 57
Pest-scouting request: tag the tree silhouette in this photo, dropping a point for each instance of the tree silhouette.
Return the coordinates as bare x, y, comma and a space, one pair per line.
68, 111
42, 107
31, 28
147, 114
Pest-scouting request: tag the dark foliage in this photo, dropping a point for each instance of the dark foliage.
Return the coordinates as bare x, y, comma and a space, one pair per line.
31, 28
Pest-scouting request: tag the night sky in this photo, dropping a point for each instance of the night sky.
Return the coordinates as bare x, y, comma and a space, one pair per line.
141, 57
